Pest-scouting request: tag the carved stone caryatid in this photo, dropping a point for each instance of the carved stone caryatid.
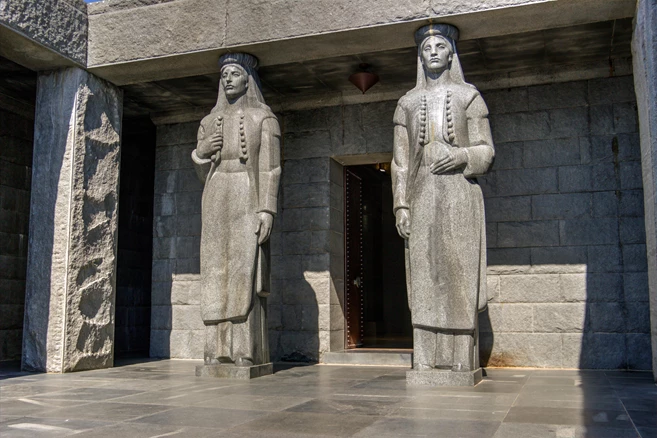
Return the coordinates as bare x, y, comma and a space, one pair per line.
442, 143
238, 160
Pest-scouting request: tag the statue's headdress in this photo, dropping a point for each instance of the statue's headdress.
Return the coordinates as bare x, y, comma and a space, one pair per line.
451, 34
249, 64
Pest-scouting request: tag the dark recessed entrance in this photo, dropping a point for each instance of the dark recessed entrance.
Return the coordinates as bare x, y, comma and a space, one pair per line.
376, 303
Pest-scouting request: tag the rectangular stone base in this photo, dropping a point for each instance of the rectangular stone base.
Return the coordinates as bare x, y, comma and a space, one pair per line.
443, 378
230, 371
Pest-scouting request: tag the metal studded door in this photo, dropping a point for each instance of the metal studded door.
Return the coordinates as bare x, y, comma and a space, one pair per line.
353, 258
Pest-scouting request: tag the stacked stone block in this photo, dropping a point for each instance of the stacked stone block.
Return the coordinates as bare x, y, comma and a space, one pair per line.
16, 137
176, 325
566, 237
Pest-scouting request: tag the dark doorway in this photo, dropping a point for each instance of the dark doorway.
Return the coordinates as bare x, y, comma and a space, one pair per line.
377, 313
133, 277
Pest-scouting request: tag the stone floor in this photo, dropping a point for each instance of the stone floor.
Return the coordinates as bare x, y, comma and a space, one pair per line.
164, 399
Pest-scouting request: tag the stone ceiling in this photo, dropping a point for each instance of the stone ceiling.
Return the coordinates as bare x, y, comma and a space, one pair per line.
481, 59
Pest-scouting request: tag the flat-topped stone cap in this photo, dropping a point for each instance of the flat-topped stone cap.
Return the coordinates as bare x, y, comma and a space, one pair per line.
441, 29
243, 59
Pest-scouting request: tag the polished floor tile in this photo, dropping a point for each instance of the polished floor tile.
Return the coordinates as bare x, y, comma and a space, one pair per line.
163, 398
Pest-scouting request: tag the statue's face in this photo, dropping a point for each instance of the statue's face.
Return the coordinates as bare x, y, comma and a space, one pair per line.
436, 54
234, 80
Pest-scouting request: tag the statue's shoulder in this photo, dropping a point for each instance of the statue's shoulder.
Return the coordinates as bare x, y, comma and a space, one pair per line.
205, 121
467, 91
407, 100
259, 114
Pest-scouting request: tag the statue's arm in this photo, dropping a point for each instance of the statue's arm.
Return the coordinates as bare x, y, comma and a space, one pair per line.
202, 164
269, 166
400, 160
481, 150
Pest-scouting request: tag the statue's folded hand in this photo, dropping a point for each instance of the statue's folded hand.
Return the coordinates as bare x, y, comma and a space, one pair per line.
451, 160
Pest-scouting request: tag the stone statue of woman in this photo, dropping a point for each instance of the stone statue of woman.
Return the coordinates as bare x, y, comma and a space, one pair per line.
238, 159
442, 143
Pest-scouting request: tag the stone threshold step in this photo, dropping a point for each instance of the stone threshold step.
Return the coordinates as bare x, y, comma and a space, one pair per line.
369, 356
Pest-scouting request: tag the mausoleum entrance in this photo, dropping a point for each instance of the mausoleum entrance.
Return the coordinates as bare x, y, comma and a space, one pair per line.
376, 306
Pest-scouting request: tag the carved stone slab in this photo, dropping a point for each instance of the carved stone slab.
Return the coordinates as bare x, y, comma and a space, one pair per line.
231, 371
438, 377
71, 268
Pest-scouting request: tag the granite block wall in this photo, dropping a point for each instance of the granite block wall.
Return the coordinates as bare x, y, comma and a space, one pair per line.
567, 264
566, 236
16, 139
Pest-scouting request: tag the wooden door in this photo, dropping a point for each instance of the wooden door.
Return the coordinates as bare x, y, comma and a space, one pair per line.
353, 258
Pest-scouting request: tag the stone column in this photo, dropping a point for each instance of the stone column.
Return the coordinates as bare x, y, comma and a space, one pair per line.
71, 267
644, 58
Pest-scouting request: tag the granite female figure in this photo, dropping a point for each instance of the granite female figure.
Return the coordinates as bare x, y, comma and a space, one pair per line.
238, 159
442, 142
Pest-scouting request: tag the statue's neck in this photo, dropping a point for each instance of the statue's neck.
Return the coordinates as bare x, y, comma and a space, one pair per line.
237, 103
436, 79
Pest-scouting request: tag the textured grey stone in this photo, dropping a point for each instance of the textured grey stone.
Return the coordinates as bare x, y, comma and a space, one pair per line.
69, 321
625, 117
513, 208
559, 318
234, 372
59, 26
644, 60
508, 156
511, 317
443, 378
602, 351
632, 230
607, 317
520, 126
568, 122
604, 258
638, 351
530, 288
605, 287
509, 256
510, 100
553, 152
307, 145
238, 159
635, 258
630, 175
605, 204
561, 255
567, 95
598, 231
638, 317
529, 349
609, 90
602, 119
526, 181
310, 170
561, 206
635, 286
306, 195
527, 234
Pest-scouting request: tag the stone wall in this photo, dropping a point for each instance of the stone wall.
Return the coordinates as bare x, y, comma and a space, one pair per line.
16, 138
566, 239
566, 235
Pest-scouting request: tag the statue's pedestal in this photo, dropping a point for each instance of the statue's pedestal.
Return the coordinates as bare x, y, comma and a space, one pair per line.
437, 377
230, 371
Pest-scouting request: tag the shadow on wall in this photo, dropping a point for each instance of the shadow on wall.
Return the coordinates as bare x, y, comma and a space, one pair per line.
566, 236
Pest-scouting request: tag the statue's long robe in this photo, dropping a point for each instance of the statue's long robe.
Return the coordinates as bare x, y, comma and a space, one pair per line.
446, 255
234, 268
